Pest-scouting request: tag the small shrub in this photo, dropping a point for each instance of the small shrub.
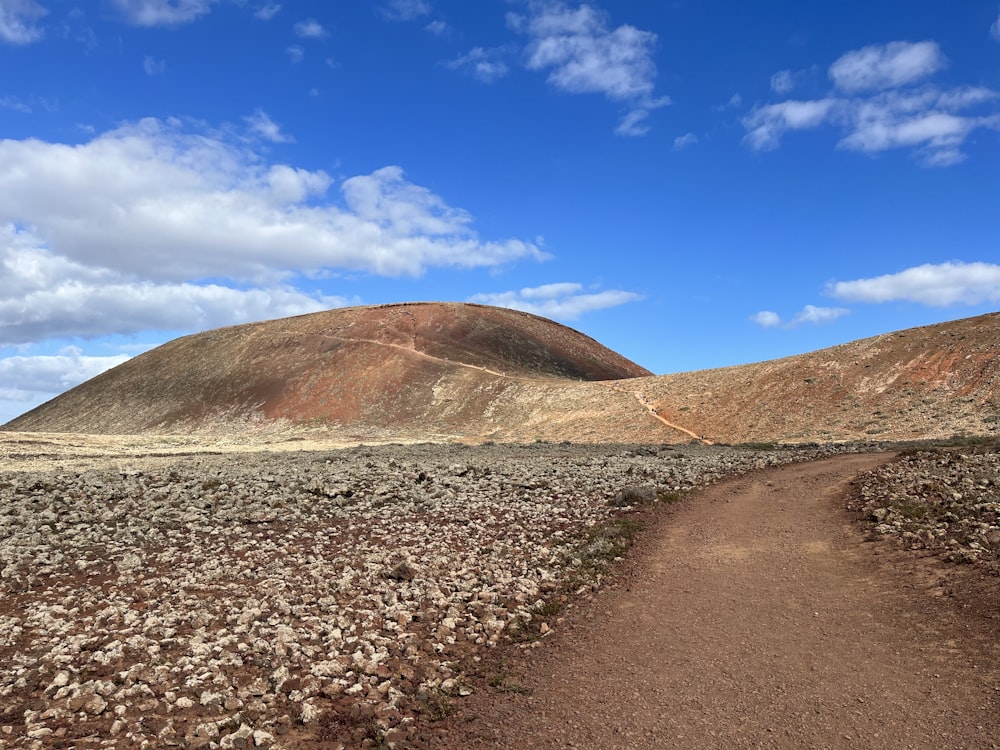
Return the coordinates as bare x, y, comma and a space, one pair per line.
759, 446
634, 495
435, 705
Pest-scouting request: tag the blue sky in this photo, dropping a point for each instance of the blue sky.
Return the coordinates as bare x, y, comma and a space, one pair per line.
694, 183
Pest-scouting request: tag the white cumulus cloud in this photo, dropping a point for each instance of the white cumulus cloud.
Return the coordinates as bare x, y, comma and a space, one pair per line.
162, 12
880, 102
123, 233
584, 55
18, 21
46, 296
153, 198
26, 378
767, 124
936, 285
562, 300
886, 66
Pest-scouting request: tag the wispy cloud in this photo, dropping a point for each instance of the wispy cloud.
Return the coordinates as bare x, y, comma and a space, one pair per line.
437, 27
144, 214
295, 53
18, 21
261, 124
766, 319
162, 12
681, 142
153, 66
267, 12
15, 104
935, 285
584, 55
563, 301
734, 102
404, 10
814, 314
995, 29
310, 29
782, 82
878, 105
485, 64
809, 314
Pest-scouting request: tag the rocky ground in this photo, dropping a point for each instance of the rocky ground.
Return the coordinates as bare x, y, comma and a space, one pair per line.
755, 615
943, 500
280, 599
283, 599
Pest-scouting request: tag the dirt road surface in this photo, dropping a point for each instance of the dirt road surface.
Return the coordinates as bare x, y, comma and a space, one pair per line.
755, 616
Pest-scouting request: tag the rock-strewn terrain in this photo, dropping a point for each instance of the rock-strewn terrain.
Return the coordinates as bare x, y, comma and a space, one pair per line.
944, 500
265, 599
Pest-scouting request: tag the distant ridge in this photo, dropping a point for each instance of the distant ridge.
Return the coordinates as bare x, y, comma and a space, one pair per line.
929, 382
450, 371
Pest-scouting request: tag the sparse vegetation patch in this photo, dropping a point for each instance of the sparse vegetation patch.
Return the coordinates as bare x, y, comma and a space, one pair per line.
942, 499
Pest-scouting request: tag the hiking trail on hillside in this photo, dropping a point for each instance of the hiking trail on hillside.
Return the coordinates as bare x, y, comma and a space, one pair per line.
754, 615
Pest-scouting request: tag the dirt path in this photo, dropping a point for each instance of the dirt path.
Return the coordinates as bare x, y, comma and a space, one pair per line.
754, 616
656, 415
652, 410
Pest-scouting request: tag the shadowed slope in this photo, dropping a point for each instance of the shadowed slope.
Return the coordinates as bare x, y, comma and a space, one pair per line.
410, 368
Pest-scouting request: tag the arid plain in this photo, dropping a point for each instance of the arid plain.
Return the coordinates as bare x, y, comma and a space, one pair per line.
383, 527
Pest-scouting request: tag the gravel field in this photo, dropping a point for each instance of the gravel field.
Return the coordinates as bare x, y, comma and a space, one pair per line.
944, 500
276, 599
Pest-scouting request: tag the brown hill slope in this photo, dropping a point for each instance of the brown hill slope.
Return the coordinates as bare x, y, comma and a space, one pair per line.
436, 371
929, 382
410, 370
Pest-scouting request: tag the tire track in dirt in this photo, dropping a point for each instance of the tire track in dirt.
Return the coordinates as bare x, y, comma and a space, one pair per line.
754, 616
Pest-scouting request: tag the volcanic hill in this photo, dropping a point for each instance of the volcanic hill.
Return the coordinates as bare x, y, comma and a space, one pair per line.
418, 370
449, 371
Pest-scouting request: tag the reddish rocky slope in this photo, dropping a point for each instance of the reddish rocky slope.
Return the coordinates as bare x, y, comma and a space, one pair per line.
929, 382
411, 369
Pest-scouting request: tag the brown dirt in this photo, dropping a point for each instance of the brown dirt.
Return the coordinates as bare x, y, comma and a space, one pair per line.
756, 616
